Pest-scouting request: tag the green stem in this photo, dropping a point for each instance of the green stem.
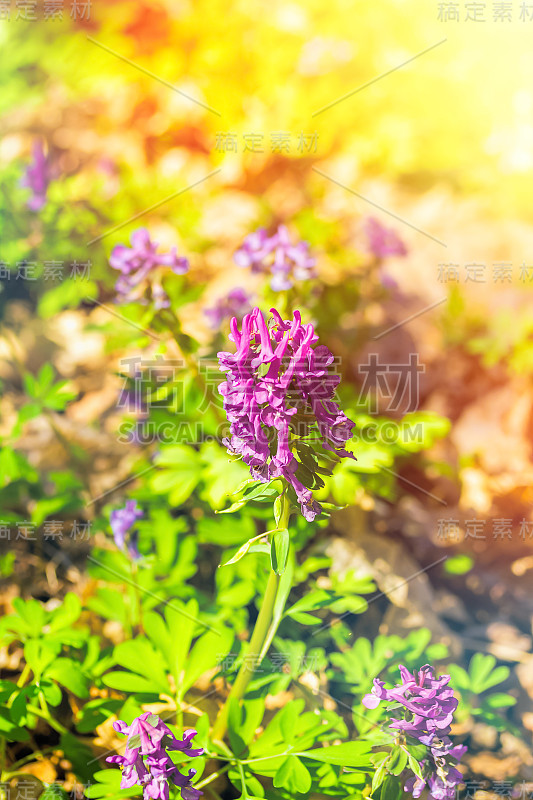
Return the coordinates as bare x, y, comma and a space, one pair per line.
7, 776
32, 757
23, 676
212, 777
45, 714
138, 598
259, 636
244, 789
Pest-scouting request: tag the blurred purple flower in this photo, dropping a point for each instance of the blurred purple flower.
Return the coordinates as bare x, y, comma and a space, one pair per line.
235, 304
146, 762
122, 520
278, 386
287, 262
138, 262
429, 706
382, 241
37, 177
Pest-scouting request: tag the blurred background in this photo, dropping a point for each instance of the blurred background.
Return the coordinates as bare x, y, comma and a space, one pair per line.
203, 121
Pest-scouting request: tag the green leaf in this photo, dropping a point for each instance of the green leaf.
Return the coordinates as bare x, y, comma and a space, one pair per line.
288, 717
381, 771
482, 673
391, 789
500, 700
235, 715
128, 682
224, 531
110, 604
9, 729
293, 776
220, 474
278, 506
319, 598
38, 654
206, 654
67, 613
182, 476
32, 612
261, 493
68, 673
242, 551
415, 766
480, 667
54, 792
460, 677
280, 551
254, 711
181, 623
305, 619
418, 751
159, 635
260, 548
397, 761
136, 655
52, 692
108, 786
348, 754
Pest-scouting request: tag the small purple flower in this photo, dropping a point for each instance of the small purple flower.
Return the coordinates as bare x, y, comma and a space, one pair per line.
278, 396
140, 262
429, 707
235, 304
276, 254
37, 177
122, 520
382, 241
146, 762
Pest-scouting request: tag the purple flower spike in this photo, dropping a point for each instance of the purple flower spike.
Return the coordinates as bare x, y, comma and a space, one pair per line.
382, 241
138, 263
278, 395
122, 519
275, 254
429, 707
146, 762
37, 177
235, 304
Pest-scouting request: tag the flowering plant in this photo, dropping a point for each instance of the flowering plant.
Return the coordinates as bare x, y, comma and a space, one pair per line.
140, 266
428, 703
278, 395
274, 435
37, 177
194, 608
146, 761
286, 262
121, 521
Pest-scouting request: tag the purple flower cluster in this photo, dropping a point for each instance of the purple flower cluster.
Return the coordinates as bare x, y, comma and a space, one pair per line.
235, 304
37, 177
122, 520
278, 393
429, 707
146, 762
287, 262
140, 262
382, 241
